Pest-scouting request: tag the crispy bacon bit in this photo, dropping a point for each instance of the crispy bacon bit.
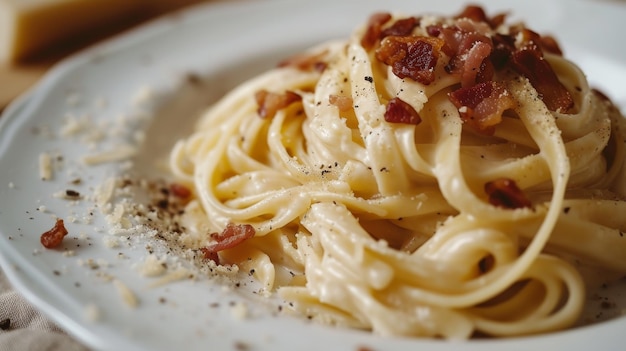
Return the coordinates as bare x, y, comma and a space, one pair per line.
477, 14
180, 190
398, 111
344, 103
482, 105
374, 29
504, 192
529, 61
503, 48
550, 45
401, 27
546, 43
231, 236
473, 12
476, 64
269, 103
306, 62
53, 237
434, 30
414, 57
469, 53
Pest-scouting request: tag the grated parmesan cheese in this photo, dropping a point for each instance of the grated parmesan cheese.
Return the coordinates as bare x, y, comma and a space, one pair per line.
118, 153
239, 311
110, 241
152, 266
104, 193
45, 166
126, 294
173, 276
92, 313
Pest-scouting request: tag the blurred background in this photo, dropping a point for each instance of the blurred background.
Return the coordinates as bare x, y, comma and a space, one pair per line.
35, 34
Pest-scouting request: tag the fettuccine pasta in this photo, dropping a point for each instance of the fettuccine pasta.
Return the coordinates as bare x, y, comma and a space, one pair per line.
429, 176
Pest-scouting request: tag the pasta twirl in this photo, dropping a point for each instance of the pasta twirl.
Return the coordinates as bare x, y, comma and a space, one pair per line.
445, 172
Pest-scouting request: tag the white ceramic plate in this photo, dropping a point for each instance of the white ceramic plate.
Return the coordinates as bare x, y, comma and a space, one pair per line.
149, 70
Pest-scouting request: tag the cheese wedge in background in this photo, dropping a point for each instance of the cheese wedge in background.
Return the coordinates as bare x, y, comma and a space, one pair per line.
34, 34
29, 26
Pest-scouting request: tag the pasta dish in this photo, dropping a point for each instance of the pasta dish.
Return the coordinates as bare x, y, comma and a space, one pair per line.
429, 176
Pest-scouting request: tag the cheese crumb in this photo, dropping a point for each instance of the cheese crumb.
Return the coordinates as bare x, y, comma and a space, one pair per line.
45, 166
127, 295
92, 313
110, 241
179, 274
104, 193
118, 153
152, 266
239, 311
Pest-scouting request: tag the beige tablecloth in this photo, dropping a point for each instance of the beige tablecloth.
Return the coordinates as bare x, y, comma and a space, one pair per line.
22, 328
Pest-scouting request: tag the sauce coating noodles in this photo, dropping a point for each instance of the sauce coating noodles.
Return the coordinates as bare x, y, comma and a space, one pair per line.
421, 178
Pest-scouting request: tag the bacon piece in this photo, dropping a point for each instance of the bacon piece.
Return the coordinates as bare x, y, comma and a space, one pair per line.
180, 190
503, 48
504, 192
398, 111
477, 14
53, 237
269, 103
550, 45
469, 52
475, 67
414, 57
344, 103
546, 43
231, 236
482, 105
434, 30
374, 29
473, 12
529, 61
402, 27
306, 62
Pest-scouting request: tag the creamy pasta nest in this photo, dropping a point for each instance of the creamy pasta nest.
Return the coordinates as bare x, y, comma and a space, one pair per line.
429, 176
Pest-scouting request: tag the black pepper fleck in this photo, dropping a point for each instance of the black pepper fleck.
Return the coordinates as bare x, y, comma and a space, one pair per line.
72, 193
